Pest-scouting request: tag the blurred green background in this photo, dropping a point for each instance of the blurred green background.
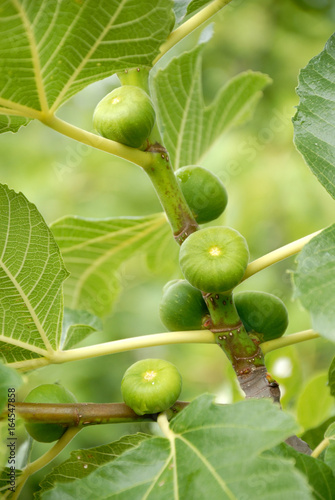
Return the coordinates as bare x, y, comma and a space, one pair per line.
273, 200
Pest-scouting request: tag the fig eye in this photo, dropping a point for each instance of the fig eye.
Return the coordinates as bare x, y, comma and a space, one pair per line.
214, 259
151, 386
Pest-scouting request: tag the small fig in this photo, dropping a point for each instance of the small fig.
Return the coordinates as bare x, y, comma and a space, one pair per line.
125, 115
151, 386
204, 192
182, 307
262, 313
214, 259
48, 393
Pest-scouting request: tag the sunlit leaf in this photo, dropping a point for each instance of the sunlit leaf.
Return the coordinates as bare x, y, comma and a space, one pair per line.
52, 49
314, 122
212, 452
189, 127
93, 251
32, 273
314, 281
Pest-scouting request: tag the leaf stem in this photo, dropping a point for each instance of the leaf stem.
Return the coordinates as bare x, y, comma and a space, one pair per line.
278, 255
44, 459
141, 158
294, 338
190, 25
320, 447
116, 346
154, 340
158, 339
163, 423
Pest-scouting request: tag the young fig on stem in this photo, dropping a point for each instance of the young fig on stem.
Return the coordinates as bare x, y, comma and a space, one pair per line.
204, 192
52, 394
214, 259
151, 386
262, 313
125, 115
182, 307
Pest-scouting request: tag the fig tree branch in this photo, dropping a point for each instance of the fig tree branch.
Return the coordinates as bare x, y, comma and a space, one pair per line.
84, 414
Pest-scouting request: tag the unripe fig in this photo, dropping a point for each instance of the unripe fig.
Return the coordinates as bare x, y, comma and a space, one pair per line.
151, 386
204, 192
262, 313
48, 393
214, 259
182, 307
125, 115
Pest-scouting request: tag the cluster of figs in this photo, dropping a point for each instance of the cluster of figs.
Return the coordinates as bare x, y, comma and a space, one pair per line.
213, 260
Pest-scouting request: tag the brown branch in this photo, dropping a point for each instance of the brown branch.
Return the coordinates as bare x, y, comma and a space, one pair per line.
83, 414
259, 384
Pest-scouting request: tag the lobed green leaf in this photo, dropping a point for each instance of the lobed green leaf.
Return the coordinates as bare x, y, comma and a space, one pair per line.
188, 126
211, 452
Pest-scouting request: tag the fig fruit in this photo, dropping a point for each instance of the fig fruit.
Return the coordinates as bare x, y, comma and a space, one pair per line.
214, 259
48, 393
204, 192
151, 386
182, 307
262, 313
125, 115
